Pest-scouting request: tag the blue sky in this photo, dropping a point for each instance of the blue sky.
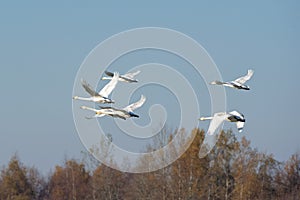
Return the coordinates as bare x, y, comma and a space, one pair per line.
44, 43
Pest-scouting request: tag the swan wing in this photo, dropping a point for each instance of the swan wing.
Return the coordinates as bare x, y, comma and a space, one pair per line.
215, 123
105, 107
131, 75
109, 73
240, 126
88, 88
110, 86
135, 105
212, 134
236, 113
243, 79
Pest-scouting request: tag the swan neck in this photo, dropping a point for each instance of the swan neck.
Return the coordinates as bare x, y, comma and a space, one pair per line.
83, 98
205, 118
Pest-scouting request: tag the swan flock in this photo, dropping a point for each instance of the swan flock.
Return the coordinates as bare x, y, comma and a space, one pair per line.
102, 97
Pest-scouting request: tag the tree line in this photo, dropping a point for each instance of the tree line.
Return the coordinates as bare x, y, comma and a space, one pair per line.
233, 170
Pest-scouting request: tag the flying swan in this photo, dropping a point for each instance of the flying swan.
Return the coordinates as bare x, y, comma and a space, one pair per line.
239, 83
129, 77
218, 118
124, 113
102, 96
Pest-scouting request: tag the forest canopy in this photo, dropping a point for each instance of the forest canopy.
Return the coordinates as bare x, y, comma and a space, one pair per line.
232, 170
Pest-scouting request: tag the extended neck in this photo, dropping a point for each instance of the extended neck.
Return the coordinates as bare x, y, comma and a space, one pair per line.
88, 108
83, 98
205, 118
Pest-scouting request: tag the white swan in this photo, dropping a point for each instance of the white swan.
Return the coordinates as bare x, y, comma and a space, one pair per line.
239, 83
129, 77
102, 96
218, 118
124, 113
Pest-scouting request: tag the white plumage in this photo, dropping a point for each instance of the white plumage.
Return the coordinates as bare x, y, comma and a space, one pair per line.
218, 118
238, 83
128, 77
102, 96
124, 113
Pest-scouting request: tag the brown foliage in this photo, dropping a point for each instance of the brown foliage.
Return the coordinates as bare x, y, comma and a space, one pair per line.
69, 182
232, 170
14, 181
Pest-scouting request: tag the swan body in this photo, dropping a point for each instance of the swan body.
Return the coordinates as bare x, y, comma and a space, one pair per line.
218, 118
102, 96
128, 77
124, 113
239, 83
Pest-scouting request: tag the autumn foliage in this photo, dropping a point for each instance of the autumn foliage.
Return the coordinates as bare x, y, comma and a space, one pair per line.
233, 170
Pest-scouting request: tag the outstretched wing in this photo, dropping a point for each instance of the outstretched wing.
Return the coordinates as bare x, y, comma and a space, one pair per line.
212, 134
106, 107
243, 79
109, 73
240, 126
240, 115
109, 87
136, 105
131, 75
88, 88
216, 122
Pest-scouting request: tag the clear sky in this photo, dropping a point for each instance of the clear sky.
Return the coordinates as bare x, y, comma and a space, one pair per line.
42, 45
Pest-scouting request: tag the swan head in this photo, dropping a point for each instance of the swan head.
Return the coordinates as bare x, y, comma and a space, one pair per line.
246, 87
75, 97
133, 114
83, 107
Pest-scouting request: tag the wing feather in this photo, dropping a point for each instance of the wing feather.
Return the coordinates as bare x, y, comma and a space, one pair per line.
243, 79
131, 75
88, 88
240, 126
136, 105
237, 114
109, 87
215, 123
